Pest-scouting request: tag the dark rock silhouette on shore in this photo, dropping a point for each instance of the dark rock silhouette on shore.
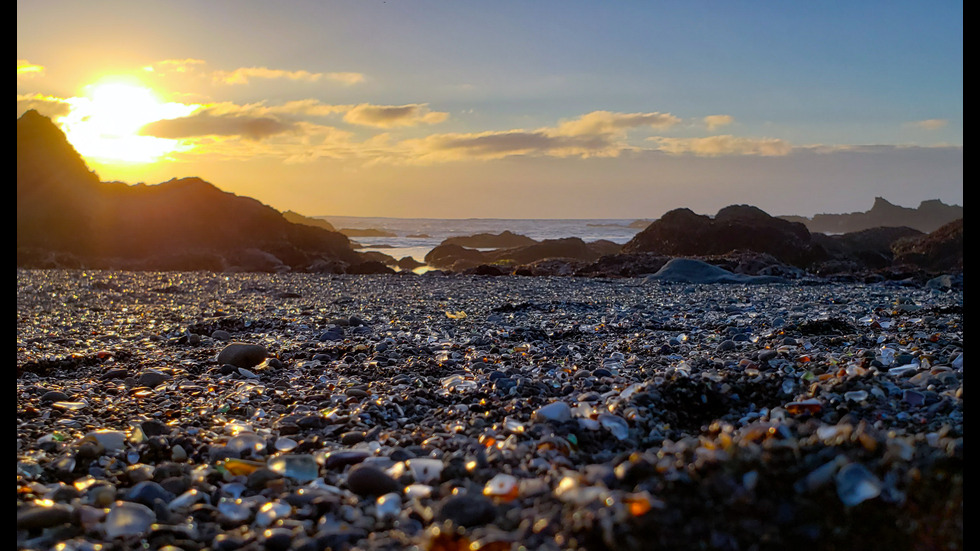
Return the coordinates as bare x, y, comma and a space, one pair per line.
66, 217
505, 239
939, 251
297, 218
681, 232
928, 217
457, 258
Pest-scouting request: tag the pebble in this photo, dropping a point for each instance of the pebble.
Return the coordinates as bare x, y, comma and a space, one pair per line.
242, 355
555, 411
468, 510
558, 413
128, 519
38, 517
366, 480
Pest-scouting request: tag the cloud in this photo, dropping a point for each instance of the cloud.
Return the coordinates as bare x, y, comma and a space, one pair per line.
497, 145
244, 74
715, 146
388, 116
606, 123
930, 124
208, 124
48, 106
595, 134
175, 66
715, 121
26, 69
346, 78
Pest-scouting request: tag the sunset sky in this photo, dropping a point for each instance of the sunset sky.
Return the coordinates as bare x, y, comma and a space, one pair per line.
510, 109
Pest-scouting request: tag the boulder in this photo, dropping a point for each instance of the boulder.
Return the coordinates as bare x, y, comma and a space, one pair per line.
939, 251
504, 239
689, 270
681, 232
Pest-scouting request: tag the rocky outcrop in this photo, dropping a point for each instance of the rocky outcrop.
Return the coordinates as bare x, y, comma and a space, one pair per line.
65, 214
862, 250
297, 218
939, 251
458, 259
929, 216
502, 240
681, 232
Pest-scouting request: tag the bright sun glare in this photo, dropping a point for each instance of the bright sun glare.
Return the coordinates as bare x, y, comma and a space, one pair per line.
103, 124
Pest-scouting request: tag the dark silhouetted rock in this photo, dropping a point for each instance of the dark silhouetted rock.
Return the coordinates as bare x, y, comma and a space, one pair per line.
297, 218
865, 249
681, 232
504, 239
929, 216
624, 265
445, 256
182, 224
939, 251
409, 263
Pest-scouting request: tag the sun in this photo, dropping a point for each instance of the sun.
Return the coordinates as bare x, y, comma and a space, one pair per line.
104, 123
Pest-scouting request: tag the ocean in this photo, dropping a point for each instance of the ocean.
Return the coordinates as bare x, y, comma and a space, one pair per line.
417, 236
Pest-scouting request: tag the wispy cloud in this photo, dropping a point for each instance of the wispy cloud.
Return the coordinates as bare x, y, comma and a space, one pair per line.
715, 146
49, 106
168, 66
929, 124
715, 121
244, 74
595, 134
609, 123
26, 69
388, 116
208, 124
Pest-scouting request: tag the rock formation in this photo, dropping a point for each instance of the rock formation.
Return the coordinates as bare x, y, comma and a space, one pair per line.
681, 232
66, 216
939, 251
929, 216
505, 239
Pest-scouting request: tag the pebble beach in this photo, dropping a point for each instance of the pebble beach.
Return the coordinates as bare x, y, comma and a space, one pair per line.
255, 411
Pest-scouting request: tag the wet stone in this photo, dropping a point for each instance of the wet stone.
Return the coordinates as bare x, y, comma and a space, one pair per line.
242, 355
564, 418
468, 510
54, 396
366, 480
37, 517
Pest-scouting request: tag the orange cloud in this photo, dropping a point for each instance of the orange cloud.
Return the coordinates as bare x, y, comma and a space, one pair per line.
595, 134
715, 121
388, 116
605, 122
244, 74
26, 69
715, 146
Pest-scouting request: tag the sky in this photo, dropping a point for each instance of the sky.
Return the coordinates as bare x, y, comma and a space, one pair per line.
510, 109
